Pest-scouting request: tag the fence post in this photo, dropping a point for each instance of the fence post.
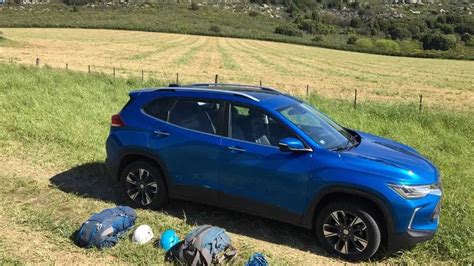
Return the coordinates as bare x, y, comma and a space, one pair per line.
355, 99
260, 83
421, 102
114, 72
177, 78
37, 61
307, 90
67, 66
143, 76
89, 68
217, 77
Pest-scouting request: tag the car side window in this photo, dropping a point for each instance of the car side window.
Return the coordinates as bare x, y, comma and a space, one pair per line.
160, 107
199, 115
253, 125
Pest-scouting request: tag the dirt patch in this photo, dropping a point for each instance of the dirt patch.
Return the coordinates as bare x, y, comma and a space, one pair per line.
23, 244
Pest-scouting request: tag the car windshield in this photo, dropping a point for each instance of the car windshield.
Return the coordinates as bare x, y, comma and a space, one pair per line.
318, 126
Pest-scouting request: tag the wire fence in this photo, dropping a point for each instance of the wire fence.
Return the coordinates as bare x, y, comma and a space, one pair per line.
164, 77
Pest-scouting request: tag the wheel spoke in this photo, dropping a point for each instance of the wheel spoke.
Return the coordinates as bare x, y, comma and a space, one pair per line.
133, 195
145, 198
329, 230
361, 241
131, 178
335, 217
152, 187
345, 248
355, 221
143, 174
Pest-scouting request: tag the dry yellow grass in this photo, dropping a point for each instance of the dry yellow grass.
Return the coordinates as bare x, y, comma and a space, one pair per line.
334, 74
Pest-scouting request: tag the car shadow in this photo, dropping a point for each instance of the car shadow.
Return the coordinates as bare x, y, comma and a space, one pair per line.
90, 180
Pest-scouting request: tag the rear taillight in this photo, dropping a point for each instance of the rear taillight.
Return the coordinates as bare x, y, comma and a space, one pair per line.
117, 121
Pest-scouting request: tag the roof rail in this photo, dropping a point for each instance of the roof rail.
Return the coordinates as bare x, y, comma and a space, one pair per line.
233, 85
192, 88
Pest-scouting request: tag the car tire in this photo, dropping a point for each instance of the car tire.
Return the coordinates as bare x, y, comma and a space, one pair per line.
348, 230
143, 185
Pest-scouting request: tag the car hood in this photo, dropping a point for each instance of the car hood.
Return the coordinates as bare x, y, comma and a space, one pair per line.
391, 159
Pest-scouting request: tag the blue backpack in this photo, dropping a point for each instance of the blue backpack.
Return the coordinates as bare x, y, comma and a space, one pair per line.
105, 228
205, 245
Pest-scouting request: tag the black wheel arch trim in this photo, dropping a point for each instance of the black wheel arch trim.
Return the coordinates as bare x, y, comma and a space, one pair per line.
309, 216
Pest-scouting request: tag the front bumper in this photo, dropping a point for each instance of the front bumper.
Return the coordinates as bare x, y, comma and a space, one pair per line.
422, 226
408, 239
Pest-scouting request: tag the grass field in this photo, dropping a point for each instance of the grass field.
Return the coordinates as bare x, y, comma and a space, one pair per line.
52, 132
227, 19
335, 74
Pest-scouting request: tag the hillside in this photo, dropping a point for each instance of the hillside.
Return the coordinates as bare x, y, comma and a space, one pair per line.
52, 133
441, 30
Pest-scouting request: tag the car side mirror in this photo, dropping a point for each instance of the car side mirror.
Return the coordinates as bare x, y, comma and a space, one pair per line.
292, 145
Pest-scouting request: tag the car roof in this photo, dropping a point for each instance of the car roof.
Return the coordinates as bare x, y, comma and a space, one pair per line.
267, 96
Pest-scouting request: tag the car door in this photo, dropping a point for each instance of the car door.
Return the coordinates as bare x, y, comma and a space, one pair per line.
185, 136
257, 177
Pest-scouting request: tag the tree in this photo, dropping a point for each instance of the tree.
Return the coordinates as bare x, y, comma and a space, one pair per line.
438, 41
466, 37
399, 32
352, 39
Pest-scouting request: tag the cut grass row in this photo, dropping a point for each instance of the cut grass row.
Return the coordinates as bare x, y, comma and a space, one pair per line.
59, 119
178, 18
335, 74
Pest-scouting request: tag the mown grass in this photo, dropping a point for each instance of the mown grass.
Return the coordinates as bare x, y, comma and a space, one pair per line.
60, 119
179, 18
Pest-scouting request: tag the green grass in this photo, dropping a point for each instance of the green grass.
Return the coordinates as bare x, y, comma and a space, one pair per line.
179, 18
60, 119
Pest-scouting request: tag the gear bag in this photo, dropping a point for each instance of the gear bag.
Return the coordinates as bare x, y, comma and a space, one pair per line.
105, 228
205, 245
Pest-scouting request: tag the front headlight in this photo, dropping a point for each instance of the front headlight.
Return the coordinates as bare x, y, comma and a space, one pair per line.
416, 192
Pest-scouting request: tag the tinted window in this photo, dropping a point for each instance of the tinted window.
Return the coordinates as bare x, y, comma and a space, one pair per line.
196, 115
159, 108
253, 125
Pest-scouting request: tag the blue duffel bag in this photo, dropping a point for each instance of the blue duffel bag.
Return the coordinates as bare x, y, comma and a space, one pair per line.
105, 228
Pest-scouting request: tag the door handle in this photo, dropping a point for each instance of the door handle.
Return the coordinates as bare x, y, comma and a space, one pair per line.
161, 133
233, 148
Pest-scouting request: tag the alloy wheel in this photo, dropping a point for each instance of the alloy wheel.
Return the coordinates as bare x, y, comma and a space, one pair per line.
141, 186
346, 232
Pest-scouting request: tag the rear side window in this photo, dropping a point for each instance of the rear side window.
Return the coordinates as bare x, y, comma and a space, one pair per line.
159, 108
199, 115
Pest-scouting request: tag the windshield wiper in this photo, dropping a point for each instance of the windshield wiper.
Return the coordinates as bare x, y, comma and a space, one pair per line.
351, 140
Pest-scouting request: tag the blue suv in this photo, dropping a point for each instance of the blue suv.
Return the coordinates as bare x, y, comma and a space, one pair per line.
259, 151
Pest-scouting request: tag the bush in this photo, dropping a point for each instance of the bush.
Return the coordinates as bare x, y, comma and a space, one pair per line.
352, 39
399, 32
253, 13
466, 37
410, 46
364, 43
357, 22
74, 9
318, 38
387, 46
288, 30
438, 42
194, 7
313, 27
215, 29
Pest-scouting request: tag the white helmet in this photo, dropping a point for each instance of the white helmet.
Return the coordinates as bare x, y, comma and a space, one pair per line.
142, 234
